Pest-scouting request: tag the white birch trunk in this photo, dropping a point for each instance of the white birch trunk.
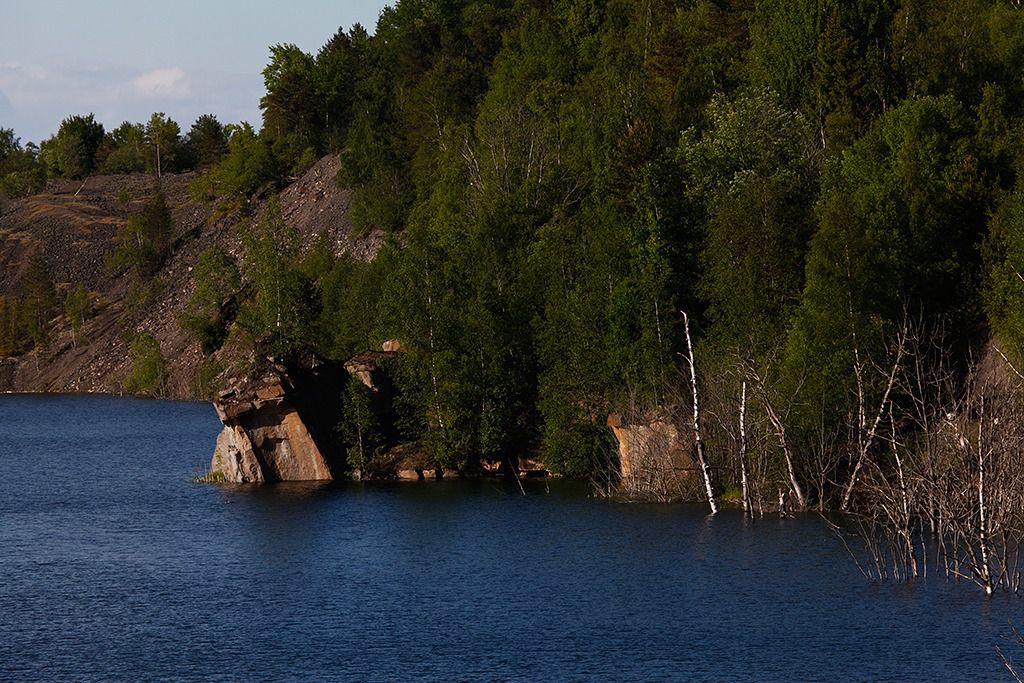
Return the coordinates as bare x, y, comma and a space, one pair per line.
748, 508
985, 570
701, 459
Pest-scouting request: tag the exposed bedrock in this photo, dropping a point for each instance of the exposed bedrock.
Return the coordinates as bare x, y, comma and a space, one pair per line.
277, 424
653, 452
281, 424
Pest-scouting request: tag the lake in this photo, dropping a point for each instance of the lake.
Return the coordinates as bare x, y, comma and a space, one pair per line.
114, 566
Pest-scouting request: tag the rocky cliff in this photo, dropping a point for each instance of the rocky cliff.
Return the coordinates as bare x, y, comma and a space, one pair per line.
73, 223
655, 458
281, 424
278, 424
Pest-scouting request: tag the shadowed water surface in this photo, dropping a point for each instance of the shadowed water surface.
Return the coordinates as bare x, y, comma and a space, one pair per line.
115, 567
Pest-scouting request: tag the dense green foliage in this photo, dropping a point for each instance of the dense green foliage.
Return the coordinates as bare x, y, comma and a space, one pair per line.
145, 240
26, 314
563, 179
148, 367
560, 180
217, 280
77, 308
123, 150
21, 173
281, 308
71, 153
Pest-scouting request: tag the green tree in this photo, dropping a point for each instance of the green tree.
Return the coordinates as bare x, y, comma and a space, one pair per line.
207, 141
360, 426
1004, 273
335, 72
71, 153
21, 173
77, 308
292, 107
216, 280
349, 292
855, 75
250, 164
13, 337
784, 36
144, 242
576, 263
148, 368
900, 220
123, 150
40, 298
283, 304
163, 136
941, 47
754, 173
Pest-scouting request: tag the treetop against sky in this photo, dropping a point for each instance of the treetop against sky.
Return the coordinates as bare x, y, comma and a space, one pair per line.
124, 60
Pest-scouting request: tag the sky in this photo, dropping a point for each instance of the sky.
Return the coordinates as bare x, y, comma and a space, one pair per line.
123, 60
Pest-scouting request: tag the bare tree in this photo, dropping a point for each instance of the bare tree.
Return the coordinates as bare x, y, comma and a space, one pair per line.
698, 442
953, 480
866, 435
778, 419
748, 506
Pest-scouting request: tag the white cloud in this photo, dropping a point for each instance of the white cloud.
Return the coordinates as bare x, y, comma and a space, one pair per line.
9, 71
171, 83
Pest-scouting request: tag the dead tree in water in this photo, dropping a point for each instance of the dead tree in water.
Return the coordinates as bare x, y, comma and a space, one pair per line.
982, 516
1018, 639
866, 435
954, 480
778, 422
887, 518
702, 461
748, 506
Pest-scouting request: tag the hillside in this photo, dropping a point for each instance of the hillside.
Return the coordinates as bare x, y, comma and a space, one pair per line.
74, 224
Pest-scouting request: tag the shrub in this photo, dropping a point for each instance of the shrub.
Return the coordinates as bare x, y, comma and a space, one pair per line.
149, 369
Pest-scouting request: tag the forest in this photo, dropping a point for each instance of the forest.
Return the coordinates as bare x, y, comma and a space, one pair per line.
806, 212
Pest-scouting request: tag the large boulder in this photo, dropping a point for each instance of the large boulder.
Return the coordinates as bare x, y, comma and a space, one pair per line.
278, 424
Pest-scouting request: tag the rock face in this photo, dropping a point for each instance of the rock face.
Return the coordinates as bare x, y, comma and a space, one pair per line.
366, 367
277, 424
74, 223
654, 455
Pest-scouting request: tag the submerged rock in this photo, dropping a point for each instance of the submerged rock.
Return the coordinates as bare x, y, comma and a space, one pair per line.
278, 424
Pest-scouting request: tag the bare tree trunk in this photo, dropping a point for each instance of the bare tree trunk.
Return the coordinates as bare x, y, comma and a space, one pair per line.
906, 518
701, 459
983, 541
865, 441
779, 426
748, 508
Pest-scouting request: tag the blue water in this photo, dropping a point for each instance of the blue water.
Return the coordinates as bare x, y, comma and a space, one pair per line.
113, 566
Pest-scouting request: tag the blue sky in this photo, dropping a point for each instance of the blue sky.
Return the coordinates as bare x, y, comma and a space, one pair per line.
123, 60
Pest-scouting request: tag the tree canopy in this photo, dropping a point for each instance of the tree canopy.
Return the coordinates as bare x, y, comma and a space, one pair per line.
558, 182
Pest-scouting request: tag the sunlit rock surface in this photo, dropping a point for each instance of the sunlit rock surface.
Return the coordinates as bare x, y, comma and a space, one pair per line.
277, 425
